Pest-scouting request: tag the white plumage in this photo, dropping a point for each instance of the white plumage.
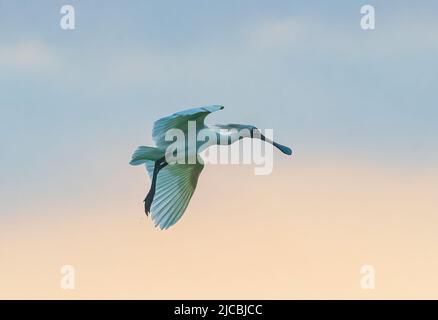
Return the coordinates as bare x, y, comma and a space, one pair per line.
173, 185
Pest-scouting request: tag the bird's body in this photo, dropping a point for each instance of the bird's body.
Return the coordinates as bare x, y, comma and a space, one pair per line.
174, 182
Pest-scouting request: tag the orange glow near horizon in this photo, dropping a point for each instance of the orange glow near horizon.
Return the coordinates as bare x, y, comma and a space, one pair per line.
302, 232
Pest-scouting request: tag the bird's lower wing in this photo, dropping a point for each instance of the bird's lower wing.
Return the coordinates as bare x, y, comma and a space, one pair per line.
174, 188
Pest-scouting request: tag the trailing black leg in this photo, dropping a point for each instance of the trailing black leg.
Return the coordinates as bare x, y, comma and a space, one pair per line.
159, 164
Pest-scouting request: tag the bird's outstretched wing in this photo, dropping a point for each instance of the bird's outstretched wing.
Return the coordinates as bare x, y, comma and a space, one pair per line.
175, 186
179, 120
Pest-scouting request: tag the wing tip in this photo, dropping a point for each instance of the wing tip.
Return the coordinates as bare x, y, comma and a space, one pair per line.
213, 108
146, 209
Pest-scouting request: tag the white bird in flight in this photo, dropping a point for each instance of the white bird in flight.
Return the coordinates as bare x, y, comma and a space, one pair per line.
173, 185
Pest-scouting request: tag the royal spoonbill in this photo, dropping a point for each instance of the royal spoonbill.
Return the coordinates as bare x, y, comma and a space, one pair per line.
173, 184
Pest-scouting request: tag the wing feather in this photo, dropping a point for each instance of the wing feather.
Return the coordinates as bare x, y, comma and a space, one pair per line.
174, 190
179, 120
173, 209
169, 202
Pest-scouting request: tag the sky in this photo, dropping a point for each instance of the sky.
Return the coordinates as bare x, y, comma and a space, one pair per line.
357, 107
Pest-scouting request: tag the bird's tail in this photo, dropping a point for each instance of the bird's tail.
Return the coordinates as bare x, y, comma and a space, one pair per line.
143, 154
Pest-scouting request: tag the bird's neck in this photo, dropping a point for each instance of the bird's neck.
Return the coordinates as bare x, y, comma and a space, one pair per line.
227, 137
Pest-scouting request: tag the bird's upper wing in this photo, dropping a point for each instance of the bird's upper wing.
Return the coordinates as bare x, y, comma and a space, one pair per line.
175, 186
179, 120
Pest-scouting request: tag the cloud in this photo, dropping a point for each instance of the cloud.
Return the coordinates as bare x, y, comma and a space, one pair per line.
28, 55
399, 35
276, 33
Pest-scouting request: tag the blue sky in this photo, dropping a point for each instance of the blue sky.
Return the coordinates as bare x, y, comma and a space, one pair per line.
305, 69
